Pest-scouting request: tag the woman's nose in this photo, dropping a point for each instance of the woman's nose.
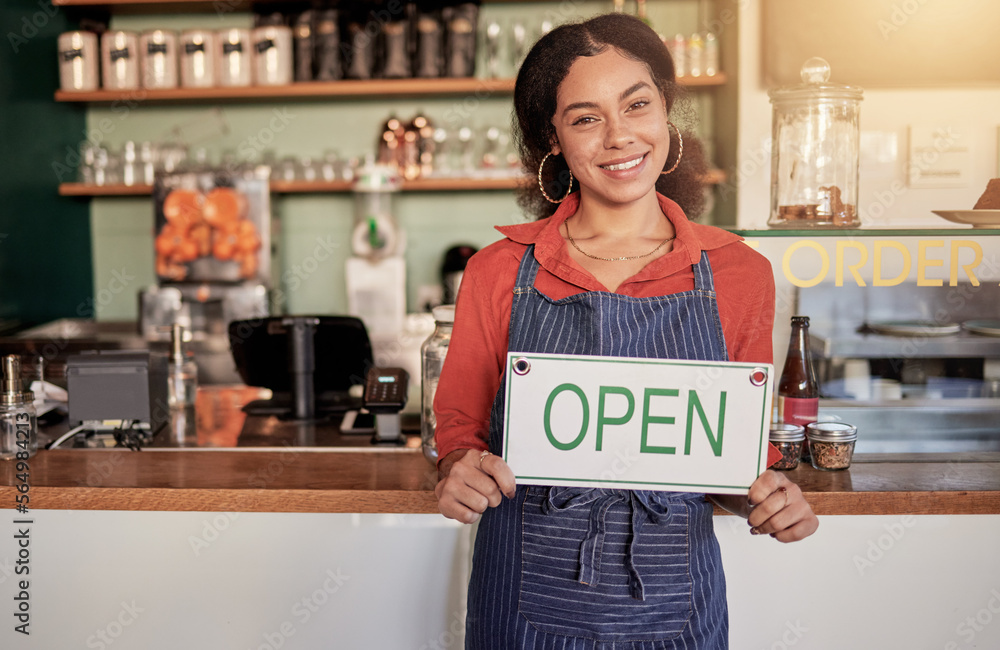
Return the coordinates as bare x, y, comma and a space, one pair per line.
617, 134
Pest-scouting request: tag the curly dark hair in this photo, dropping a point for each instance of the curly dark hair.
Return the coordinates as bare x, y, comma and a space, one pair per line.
545, 67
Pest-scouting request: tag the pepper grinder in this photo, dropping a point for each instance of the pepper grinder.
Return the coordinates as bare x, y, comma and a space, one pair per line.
18, 424
182, 376
183, 371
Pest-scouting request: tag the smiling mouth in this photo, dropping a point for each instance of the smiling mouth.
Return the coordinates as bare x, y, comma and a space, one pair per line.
625, 165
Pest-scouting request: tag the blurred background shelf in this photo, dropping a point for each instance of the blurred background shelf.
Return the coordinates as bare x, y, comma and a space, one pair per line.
298, 91
441, 87
323, 187
177, 6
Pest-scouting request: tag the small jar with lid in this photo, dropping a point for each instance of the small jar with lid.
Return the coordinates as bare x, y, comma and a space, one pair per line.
120, 60
432, 354
831, 444
197, 58
158, 50
788, 438
78, 56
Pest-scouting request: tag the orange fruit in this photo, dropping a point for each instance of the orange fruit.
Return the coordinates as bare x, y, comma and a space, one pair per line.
183, 208
224, 244
247, 239
167, 268
223, 205
201, 235
186, 251
164, 243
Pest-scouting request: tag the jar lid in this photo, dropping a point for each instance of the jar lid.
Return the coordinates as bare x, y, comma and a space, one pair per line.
17, 399
377, 177
832, 431
786, 433
444, 313
815, 84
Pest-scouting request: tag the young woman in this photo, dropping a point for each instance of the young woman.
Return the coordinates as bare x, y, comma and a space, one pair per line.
611, 267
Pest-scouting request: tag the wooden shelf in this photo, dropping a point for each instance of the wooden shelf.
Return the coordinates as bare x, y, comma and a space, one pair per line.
157, 6
83, 189
300, 91
715, 177
317, 90
718, 79
334, 187
418, 185
186, 6
311, 187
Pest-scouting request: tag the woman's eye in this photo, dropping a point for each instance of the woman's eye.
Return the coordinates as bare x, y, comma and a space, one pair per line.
637, 105
583, 120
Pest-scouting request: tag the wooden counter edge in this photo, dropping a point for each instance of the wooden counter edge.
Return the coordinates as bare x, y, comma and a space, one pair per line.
227, 500
424, 502
372, 482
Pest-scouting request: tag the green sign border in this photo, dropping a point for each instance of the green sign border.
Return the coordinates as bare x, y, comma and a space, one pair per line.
656, 362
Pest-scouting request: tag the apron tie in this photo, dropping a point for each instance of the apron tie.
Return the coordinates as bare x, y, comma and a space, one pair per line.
643, 507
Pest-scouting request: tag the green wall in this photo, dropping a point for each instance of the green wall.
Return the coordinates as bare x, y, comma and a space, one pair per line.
122, 228
45, 244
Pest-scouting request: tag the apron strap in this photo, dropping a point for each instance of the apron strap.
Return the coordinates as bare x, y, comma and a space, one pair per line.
703, 274
644, 506
527, 270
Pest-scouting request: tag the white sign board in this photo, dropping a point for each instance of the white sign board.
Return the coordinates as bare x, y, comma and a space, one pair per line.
939, 157
649, 424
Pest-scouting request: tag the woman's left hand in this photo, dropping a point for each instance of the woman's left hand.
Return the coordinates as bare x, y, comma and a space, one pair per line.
779, 509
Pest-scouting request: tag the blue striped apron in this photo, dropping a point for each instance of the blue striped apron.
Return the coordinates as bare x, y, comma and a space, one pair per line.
582, 568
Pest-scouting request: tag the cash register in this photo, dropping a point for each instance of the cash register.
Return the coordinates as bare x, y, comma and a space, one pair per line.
319, 367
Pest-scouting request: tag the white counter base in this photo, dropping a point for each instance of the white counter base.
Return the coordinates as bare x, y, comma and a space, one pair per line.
252, 581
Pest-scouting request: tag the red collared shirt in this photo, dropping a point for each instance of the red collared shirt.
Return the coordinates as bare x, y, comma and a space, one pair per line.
744, 286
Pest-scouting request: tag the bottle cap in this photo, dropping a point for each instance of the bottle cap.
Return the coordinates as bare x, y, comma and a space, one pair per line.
444, 313
13, 388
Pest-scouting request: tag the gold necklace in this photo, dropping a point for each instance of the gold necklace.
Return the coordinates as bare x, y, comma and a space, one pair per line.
614, 259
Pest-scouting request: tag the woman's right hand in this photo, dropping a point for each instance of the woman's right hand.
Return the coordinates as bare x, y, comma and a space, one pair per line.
470, 485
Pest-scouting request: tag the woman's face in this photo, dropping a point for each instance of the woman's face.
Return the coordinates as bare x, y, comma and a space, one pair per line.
611, 125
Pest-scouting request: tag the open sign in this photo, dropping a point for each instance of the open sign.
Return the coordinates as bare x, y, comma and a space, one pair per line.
612, 422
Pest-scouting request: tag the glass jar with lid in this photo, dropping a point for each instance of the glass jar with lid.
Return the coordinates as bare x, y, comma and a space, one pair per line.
831, 444
788, 439
815, 152
432, 355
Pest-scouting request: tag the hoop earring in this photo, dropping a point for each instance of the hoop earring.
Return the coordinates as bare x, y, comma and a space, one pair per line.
680, 150
542, 187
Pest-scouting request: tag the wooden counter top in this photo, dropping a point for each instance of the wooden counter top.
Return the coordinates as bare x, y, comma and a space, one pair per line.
402, 481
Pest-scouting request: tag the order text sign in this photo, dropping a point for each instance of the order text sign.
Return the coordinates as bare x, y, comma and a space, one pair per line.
650, 424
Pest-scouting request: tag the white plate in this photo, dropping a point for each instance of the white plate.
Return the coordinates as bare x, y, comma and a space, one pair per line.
914, 328
974, 218
984, 327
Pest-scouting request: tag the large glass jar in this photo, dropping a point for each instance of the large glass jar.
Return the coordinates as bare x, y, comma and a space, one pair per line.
432, 354
815, 147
